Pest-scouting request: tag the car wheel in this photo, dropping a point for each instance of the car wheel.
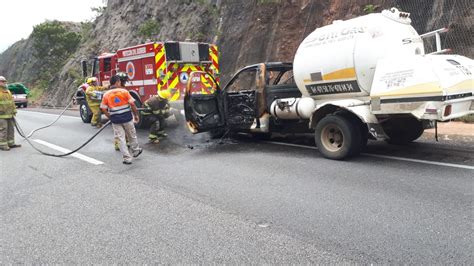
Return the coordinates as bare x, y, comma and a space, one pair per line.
337, 137
85, 112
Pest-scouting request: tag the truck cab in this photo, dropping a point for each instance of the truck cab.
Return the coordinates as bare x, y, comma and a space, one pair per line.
102, 69
244, 103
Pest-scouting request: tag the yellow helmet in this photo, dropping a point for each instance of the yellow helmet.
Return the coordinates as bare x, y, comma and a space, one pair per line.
165, 94
91, 80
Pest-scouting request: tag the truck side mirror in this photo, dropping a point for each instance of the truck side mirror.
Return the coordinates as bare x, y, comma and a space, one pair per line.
84, 68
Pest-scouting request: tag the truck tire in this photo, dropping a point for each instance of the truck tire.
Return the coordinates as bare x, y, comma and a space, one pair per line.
217, 133
338, 137
85, 112
262, 136
403, 131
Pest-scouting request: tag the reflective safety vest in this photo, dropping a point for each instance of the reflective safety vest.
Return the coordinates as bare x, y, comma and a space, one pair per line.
118, 102
7, 105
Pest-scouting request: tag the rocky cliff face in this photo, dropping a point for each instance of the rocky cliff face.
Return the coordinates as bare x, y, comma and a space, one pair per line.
246, 31
18, 63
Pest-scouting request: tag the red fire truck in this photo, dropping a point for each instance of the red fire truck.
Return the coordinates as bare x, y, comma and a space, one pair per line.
151, 67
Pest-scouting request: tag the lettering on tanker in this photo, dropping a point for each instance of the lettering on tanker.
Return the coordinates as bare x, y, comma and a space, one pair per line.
396, 79
334, 36
333, 88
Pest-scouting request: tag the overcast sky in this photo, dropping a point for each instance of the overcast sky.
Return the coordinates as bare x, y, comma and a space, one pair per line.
19, 16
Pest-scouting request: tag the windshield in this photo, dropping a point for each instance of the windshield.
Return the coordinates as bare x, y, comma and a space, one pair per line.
95, 67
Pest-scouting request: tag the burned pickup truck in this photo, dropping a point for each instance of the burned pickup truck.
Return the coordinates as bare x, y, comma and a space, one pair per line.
245, 104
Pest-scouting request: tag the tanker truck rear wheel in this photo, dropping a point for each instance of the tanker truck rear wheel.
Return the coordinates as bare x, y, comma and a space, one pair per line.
338, 137
402, 131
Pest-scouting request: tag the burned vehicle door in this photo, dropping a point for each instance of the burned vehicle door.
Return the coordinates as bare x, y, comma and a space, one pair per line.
241, 97
203, 103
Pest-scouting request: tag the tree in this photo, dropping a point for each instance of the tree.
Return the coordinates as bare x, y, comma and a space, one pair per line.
53, 43
149, 28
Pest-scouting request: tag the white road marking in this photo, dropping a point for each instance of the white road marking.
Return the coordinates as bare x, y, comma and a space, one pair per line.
63, 150
420, 161
292, 145
47, 114
462, 166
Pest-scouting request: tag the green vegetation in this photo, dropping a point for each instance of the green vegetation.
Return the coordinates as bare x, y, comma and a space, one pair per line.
53, 43
35, 94
149, 29
76, 76
86, 30
266, 2
201, 2
369, 8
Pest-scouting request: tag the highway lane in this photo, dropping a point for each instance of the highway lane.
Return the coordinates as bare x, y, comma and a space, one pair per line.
303, 207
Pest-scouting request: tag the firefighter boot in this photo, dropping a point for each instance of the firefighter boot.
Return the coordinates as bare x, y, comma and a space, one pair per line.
162, 134
153, 138
4, 148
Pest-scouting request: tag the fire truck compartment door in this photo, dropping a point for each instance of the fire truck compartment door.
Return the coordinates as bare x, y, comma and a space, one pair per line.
203, 103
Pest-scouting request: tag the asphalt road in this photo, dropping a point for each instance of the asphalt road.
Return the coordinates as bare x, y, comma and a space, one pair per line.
195, 200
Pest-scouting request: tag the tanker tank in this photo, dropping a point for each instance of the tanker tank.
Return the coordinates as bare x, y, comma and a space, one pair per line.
339, 60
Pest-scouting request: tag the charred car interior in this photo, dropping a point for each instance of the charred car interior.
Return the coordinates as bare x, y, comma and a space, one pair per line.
246, 98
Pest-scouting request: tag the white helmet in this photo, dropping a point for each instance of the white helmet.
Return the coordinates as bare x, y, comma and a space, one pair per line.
2, 78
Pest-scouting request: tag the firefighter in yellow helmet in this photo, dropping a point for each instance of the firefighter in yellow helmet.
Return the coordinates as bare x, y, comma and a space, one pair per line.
93, 97
7, 112
157, 110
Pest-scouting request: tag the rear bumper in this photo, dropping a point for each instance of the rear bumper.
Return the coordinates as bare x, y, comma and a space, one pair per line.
441, 108
20, 101
459, 108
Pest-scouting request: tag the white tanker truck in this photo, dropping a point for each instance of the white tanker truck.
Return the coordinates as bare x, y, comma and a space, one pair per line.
367, 77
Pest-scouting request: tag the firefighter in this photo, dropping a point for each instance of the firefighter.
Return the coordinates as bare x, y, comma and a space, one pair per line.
157, 109
93, 100
123, 78
7, 113
119, 106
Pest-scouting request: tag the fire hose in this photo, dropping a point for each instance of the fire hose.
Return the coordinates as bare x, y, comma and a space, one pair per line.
27, 137
22, 134
52, 123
